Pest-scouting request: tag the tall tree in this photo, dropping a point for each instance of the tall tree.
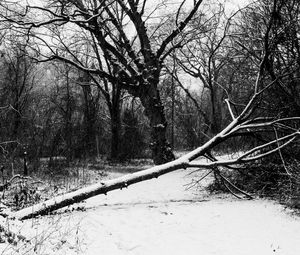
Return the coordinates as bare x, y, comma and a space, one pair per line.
140, 62
62, 98
19, 77
204, 58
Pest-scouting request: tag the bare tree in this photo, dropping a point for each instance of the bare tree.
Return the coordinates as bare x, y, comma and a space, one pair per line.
139, 63
19, 76
19, 82
62, 99
204, 58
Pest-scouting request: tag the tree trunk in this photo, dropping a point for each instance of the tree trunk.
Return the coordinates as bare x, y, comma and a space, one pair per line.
61, 201
214, 127
154, 110
114, 103
90, 134
91, 104
16, 122
90, 119
68, 121
115, 134
68, 134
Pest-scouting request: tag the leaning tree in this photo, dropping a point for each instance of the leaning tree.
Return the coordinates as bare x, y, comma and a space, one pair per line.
245, 119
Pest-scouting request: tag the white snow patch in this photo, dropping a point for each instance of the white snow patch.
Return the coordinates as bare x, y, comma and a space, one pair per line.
161, 217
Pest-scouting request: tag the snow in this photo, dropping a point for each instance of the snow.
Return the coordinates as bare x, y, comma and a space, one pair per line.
161, 216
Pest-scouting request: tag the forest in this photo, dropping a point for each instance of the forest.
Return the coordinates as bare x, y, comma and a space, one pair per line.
154, 85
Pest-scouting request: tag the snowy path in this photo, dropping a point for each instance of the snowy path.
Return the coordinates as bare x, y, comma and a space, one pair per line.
161, 217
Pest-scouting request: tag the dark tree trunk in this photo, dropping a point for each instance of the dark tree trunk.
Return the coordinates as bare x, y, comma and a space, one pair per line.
68, 121
154, 110
215, 123
25, 172
90, 132
90, 119
115, 105
16, 121
115, 134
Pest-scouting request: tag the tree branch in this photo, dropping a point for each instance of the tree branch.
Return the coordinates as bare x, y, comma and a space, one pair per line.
179, 29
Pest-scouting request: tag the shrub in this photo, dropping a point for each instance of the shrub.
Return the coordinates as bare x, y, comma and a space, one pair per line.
267, 179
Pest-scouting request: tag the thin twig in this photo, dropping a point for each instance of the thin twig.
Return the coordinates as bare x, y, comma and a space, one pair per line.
229, 108
235, 187
280, 154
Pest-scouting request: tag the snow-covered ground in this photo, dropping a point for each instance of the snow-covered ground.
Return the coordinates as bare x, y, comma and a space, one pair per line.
161, 216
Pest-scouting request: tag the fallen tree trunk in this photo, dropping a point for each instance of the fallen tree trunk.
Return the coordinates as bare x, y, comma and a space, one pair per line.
239, 124
96, 189
61, 201
183, 162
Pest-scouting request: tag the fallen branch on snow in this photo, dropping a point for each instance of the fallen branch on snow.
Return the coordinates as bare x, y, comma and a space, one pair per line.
242, 122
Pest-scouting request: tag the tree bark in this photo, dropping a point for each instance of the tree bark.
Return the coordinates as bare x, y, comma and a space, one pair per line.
90, 117
115, 134
61, 201
154, 110
214, 119
68, 120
